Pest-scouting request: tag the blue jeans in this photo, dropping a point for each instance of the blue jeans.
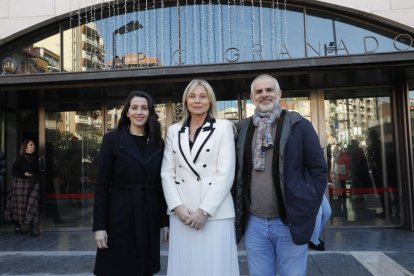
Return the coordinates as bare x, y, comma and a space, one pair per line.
321, 219
268, 244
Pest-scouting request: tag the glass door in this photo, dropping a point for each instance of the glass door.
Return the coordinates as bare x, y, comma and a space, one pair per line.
72, 141
361, 155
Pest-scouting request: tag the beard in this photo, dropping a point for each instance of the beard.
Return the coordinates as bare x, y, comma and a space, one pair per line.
264, 108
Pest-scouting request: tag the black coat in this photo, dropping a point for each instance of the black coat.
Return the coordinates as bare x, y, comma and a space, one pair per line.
129, 204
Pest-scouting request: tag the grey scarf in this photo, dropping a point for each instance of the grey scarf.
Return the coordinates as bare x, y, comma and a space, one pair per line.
264, 140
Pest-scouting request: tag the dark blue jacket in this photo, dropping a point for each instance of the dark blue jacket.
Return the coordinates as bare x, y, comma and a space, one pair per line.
301, 171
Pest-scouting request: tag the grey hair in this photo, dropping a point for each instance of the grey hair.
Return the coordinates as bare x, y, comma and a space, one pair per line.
264, 76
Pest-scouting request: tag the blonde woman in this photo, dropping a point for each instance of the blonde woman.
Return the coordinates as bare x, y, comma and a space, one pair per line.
197, 174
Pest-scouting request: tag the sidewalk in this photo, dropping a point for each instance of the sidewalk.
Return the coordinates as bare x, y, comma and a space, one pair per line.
350, 252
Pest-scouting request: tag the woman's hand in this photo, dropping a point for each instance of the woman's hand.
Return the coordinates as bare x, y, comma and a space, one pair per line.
166, 234
197, 219
101, 239
28, 174
183, 214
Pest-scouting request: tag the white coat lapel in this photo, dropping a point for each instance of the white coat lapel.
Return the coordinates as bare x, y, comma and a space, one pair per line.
184, 145
202, 138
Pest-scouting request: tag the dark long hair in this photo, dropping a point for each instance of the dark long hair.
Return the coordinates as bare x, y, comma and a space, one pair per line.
23, 146
152, 127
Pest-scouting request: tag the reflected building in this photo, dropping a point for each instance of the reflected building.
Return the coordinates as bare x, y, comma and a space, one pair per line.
87, 48
351, 118
133, 61
86, 52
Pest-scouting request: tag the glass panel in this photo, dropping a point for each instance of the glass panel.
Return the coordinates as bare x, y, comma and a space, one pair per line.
40, 57
2, 128
411, 106
87, 49
228, 110
362, 157
117, 35
73, 140
291, 100
46, 56
113, 116
343, 37
177, 112
298, 104
316, 39
3, 160
161, 110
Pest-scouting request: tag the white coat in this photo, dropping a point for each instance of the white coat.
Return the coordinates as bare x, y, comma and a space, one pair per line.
203, 176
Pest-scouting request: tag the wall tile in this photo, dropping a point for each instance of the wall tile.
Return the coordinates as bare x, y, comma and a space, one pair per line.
402, 4
14, 25
401, 16
4, 8
363, 5
24, 8
66, 6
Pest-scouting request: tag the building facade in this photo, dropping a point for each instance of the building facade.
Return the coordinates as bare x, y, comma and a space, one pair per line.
345, 67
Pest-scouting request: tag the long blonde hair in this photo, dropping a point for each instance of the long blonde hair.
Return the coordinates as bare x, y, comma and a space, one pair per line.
212, 111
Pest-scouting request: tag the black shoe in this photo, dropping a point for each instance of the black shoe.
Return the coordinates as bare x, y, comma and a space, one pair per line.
319, 247
322, 242
17, 230
34, 233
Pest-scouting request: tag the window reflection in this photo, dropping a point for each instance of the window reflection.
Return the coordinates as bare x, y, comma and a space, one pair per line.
343, 37
73, 140
117, 36
298, 104
113, 116
411, 106
87, 49
362, 157
40, 57
48, 55
228, 110
319, 43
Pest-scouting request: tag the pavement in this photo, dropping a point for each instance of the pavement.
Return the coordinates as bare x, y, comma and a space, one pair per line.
349, 252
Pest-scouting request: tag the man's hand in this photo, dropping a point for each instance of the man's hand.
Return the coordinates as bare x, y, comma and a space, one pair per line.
101, 239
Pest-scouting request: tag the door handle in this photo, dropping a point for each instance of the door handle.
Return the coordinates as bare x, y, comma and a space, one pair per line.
42, 164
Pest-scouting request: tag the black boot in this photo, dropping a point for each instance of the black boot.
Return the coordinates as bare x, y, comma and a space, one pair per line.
17, 229
34, 231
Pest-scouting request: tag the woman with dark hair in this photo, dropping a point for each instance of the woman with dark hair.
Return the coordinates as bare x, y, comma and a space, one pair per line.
22, 205
129, 207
